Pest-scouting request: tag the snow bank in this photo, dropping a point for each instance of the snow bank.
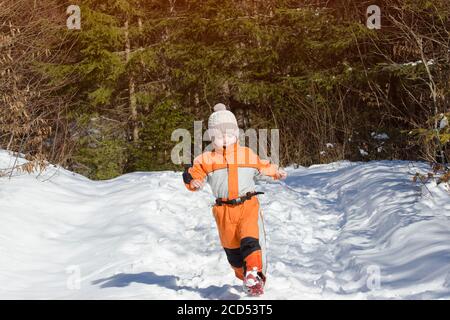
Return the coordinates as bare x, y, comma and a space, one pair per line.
341, 230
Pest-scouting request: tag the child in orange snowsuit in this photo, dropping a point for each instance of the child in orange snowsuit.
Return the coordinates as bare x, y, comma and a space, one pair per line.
230, 170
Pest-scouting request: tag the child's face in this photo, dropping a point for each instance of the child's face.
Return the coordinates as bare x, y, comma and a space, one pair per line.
226, 139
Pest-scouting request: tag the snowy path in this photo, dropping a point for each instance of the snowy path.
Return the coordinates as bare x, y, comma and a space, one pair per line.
330, 230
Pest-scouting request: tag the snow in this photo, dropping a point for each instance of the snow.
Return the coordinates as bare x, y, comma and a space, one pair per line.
379, 136
363, 152
344, 230
415, 63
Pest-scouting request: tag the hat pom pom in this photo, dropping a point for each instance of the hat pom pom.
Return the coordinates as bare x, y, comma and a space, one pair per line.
220, 107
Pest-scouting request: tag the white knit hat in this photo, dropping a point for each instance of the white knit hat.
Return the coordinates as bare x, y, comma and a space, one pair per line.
223, 120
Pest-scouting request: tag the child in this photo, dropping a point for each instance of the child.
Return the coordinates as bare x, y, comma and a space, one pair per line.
230, 170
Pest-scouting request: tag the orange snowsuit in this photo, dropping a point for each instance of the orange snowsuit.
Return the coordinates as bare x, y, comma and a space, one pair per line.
230, 172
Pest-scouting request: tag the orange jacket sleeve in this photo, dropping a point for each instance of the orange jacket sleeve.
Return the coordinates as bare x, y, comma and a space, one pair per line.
264, 166
194, 172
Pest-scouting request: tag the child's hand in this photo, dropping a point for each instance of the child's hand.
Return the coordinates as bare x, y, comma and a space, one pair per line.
196, 184
281, 174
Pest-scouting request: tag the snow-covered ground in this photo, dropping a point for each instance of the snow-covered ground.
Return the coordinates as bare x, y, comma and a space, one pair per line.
343, 230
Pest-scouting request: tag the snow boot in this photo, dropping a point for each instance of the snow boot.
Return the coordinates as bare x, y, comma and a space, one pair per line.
254, 283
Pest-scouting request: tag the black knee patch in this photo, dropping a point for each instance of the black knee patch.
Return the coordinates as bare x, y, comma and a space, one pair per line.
187, 178
249, 245
234, 257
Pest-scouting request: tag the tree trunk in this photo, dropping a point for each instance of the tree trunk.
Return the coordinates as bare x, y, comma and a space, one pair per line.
131, 89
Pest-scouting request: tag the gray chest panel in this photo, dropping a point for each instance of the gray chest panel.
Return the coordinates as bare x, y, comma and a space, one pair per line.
218, 180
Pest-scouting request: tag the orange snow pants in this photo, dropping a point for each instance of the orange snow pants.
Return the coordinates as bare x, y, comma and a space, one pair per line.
239, 230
